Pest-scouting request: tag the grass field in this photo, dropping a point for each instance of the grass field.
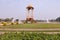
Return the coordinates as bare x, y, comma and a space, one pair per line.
35, 26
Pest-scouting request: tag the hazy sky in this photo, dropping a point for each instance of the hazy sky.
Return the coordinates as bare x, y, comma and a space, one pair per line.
43, 9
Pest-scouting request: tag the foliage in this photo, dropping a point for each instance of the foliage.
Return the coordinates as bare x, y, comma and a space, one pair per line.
58, 19
6, 20
4, 23
17, 20
29, 36
12, 23
17, 23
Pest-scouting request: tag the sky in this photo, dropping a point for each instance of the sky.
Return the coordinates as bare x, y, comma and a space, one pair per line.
43, 9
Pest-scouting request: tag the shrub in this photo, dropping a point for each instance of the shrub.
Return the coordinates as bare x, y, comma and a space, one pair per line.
12, 23
29, 36
4, 23
17, 23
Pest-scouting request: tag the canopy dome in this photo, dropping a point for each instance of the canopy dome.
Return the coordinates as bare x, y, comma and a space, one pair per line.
30, 7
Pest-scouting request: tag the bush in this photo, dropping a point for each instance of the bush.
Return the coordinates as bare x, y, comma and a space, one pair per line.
12, 23
4, 23
17, 23
29, 36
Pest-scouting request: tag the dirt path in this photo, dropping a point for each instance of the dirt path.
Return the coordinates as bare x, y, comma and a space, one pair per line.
37, 32
31, 29
52, 31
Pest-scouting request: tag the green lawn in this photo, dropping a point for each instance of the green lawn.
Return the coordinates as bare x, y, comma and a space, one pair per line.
36, 25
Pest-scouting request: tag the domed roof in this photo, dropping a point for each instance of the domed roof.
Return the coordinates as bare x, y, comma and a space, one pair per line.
30, 7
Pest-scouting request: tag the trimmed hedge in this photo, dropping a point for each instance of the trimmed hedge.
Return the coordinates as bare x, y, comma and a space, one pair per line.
29, 36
